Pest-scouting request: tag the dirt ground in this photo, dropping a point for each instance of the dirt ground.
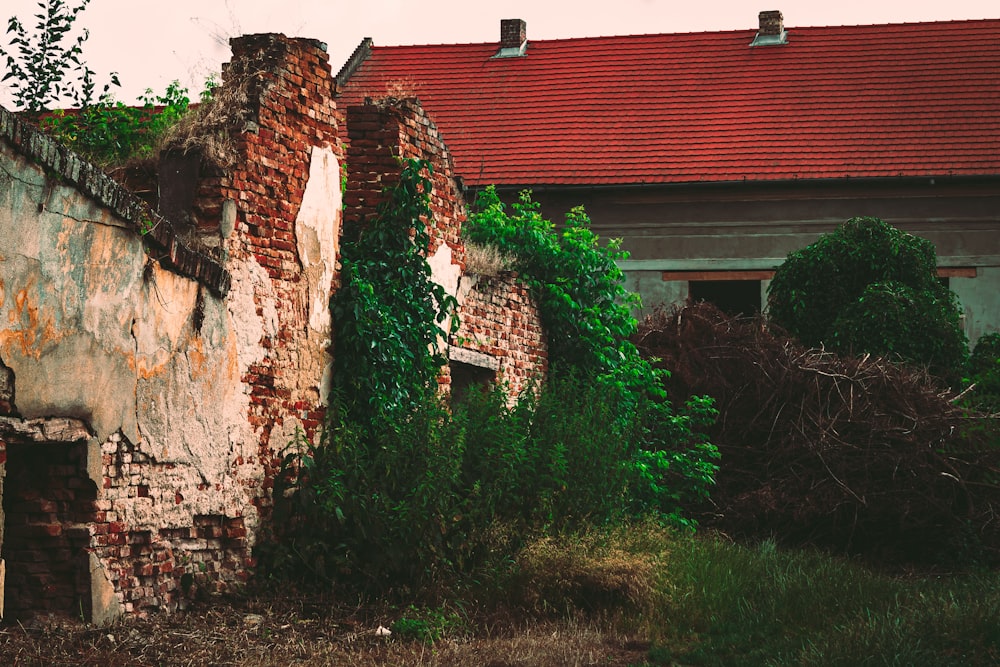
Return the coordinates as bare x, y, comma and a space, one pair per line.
257, 632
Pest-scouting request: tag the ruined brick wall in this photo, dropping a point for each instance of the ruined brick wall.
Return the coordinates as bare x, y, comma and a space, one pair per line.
189, 376
498, 318
187, 361
284, 190
152, 564
382, 133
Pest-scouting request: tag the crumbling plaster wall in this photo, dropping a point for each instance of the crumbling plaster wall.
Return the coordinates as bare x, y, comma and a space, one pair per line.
95, 328
189, 387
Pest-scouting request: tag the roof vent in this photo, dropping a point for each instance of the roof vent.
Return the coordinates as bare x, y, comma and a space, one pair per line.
771, 31
513, 38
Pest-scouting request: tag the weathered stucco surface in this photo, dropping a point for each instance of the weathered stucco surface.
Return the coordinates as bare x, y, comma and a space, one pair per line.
70, 277
93, 328
446, 273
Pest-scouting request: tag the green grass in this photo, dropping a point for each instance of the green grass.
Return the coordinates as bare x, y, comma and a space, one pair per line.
702, 600
734, 605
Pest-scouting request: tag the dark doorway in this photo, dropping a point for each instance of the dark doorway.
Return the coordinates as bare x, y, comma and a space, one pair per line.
733, 297
48, 502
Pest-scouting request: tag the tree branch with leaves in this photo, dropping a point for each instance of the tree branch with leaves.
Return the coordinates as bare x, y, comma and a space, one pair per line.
45, 66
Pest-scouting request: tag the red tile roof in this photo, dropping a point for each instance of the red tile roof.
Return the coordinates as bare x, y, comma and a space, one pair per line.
916, 99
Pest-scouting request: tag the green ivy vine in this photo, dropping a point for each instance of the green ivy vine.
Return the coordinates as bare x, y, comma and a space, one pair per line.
388, 311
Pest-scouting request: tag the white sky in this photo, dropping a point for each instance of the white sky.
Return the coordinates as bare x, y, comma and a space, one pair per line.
152, 42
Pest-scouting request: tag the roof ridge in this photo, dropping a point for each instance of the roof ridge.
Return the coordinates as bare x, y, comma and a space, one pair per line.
731, 31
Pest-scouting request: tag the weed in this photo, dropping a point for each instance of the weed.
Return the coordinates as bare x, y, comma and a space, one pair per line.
428, 625
486, 260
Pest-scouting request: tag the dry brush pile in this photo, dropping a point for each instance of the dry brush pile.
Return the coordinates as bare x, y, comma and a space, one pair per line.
855, 454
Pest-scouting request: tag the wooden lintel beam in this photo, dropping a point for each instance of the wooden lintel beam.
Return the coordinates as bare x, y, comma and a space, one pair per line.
956, 272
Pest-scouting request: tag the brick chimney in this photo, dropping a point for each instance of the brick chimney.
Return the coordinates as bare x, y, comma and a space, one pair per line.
771, 23
513, 33
771, 30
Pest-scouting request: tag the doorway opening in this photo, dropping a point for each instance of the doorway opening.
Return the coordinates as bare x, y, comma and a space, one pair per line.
468, 369
48, 504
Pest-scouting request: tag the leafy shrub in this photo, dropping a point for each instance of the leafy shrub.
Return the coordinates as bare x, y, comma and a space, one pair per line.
869, 287
565, 459
420, 498
584, 305
675, 465
574, 473
984, 369
373, 504
43, 71
916, 325
587, 314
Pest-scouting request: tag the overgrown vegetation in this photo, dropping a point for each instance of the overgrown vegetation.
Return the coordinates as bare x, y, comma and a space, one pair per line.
587, 315
984, 376
43, 72
486, 260
388, 312
869, 287
111, 132
585, 308
406, 493
638, 595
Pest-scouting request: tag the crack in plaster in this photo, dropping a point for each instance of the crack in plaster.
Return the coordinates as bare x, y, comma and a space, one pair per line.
135, 390
15, 177
43, 201
83, 220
